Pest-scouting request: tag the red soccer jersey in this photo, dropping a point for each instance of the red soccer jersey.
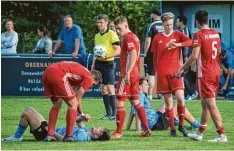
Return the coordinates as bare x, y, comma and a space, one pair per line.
130, 43
74, 73
168, 61
208, 61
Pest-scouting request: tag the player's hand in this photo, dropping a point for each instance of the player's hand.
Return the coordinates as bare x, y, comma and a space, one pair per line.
101, 57
127, 78
172, 45
74, 54
224, 88
225, 70
179, 73
51, 54
86, 117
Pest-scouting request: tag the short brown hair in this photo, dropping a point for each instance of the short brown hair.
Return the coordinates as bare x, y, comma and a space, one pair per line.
97, 75
120, 20
167, 16
103, 16
9, 20
105, 135
142, 80
202, 17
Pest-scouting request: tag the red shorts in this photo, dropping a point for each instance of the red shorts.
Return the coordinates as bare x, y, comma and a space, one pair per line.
207, 87
168, 84
56, 87
130, 91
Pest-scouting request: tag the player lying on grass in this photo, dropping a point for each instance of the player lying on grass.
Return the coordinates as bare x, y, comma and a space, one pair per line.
154, 120
38, 127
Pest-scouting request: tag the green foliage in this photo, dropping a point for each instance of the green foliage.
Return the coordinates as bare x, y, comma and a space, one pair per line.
27, 15
136, 12
12, 108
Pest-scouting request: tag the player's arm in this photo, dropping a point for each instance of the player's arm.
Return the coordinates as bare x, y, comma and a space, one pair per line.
117, 49
190, 60
185, 41
79, 95
57, 45
93, 63
147, 45
115, 44
76, 48
58, 136
129, 123
138, 123
132, 55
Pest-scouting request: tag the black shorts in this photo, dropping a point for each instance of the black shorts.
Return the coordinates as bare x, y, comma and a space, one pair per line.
149, 68
107, 69
40, 133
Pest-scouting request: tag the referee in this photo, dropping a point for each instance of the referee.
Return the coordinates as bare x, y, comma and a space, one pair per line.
106, 65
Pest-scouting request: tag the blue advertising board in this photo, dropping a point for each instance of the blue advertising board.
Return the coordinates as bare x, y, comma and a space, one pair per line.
22, 74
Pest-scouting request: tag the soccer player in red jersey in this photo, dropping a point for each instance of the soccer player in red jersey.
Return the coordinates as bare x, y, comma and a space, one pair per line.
206, 43
166, 48
128, 82
60, 81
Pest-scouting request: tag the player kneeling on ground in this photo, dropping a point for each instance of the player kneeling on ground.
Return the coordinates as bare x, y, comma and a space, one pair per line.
156, 119
39, 128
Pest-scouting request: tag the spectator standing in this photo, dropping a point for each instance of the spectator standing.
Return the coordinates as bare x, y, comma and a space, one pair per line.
106, 65
44, 45
72, 37
9, 39
153, 29
112, 26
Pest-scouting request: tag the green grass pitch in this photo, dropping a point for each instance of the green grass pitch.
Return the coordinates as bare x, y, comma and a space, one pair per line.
160, 140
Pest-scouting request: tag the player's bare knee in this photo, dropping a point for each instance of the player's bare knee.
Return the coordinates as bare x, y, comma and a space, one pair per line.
104, 91
119, 104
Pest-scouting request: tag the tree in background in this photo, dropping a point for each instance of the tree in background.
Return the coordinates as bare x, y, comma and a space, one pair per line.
27, 15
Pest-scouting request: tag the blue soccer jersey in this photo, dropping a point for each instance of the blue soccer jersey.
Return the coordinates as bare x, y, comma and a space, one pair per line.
80, 134
152, 115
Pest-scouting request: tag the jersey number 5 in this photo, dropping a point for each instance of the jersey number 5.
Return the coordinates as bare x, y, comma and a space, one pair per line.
214, 49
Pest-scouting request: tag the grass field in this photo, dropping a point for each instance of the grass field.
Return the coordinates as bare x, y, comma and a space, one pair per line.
12, 108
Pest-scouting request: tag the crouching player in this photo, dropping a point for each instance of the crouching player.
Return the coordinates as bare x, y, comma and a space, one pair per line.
39, 129
127, 87
59, 80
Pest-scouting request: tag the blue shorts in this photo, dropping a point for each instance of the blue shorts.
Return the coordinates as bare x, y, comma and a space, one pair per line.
107, 69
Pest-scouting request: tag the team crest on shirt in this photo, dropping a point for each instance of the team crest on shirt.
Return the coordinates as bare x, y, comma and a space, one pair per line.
173, 40
195, 42
160, 42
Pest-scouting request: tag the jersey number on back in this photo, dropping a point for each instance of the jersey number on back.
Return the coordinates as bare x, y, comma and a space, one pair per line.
214, 49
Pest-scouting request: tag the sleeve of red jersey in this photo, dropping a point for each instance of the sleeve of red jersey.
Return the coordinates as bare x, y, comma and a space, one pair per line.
185, 40
196, 40
86, 83
130, 43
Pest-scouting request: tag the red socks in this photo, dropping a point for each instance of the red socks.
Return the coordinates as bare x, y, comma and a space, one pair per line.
53, 115
170, 116
71, 119
120, 116
142, 115
220, 130
202, 128
181, 114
